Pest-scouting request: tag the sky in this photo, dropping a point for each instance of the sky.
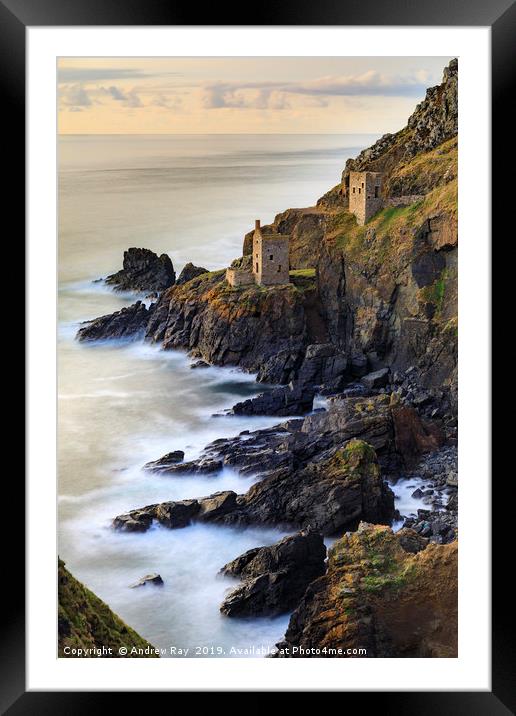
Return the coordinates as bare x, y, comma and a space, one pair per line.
203, 95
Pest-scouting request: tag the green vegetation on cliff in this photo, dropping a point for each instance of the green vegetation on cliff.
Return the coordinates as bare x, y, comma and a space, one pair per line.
85, 622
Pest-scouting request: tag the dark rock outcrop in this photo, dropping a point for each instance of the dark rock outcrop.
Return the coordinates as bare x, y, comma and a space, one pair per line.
294, 399
130, 322
330, 494
178, 514
275, 577
262, 331
143, 270
171, 458
378, 600
189, 272
165, 465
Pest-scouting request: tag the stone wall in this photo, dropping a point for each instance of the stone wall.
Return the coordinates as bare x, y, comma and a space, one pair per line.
365, 195
239, 277
406, 200
270, 259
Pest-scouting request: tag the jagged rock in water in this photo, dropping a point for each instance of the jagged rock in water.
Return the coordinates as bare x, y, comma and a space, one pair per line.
155, 579
143, 270
330, 494
294, 399
171, 458
177, 514
204, 466
189, 272
217, 505
377, 597
130, 322
275, 577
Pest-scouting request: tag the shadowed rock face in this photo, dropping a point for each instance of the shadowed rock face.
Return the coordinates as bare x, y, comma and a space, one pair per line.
129, 322
294, 399
379, 597
275, 577
143, 270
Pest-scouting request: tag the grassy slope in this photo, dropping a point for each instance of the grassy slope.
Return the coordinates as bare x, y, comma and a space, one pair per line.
85, 621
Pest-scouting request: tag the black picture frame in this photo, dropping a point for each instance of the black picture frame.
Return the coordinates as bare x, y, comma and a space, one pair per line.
15, 17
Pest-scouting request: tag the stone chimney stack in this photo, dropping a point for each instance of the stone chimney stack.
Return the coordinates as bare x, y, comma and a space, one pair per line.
257, 224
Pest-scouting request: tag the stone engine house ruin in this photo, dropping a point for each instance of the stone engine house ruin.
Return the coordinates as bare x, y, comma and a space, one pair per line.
365, 194
270, 261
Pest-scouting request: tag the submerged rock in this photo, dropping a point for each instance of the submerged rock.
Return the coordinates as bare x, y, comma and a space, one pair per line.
171, 458
205, 466
153, 578
143, 270
275, 577
128, 322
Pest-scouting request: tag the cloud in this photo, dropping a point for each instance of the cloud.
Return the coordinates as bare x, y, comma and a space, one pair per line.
74, 96
129, 99
102, 74
273, 95
218, 95
166, 102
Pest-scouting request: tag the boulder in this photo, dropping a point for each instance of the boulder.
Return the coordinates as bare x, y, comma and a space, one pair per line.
189, 272
177, 514
143, 270
217, 505
411, 541
136, 520
130, 322
275, 577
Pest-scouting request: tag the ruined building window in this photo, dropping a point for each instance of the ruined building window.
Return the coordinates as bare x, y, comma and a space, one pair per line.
362, 185
271, 257
256, 267
279, 268
376, 192
353, 190
359, 190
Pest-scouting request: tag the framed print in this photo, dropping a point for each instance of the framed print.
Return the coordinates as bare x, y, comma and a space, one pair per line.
258, 362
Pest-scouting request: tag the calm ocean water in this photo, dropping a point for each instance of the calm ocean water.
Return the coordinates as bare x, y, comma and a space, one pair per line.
120, 405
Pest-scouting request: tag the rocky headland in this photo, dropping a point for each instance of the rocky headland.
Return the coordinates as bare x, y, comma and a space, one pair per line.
369, 321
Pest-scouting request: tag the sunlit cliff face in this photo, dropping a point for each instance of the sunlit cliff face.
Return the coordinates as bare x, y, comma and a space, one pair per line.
241, 95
